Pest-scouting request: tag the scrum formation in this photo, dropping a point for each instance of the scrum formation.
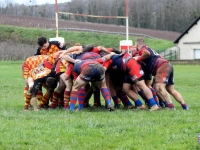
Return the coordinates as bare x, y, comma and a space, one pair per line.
75, 74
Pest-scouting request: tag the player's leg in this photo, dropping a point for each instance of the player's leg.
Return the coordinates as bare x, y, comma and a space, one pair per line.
88, 95
177, 96
101, 83
136, 74
25, 73
160, 80
127, 89
105, 93
28, 95
96, 93
57, 93
69, 84
113, 94
74, 93
150, 100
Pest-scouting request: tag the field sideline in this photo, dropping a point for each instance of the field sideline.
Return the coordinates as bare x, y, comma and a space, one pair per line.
97, 128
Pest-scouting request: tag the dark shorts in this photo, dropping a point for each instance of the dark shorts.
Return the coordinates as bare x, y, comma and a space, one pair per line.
92, 72
117, 77
129, 80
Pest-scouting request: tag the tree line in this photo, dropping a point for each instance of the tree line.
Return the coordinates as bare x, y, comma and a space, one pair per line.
169, 15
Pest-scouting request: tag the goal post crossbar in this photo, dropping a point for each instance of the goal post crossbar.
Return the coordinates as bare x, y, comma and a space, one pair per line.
93, 16
125, 17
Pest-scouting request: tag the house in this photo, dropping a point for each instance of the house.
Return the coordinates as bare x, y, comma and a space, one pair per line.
188, 42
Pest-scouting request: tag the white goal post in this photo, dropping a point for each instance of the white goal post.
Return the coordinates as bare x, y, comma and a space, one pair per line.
95, 16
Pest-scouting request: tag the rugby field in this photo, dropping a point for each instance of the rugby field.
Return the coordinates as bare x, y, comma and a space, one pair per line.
97, 128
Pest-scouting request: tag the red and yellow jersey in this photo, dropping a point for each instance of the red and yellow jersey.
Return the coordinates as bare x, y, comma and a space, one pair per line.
51, 59
61, 66
52, 49
39, 72
34, 61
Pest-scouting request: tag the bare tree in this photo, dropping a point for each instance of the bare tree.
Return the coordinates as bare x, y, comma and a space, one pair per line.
171, 15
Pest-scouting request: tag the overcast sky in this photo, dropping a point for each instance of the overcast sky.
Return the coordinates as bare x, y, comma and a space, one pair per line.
34, 2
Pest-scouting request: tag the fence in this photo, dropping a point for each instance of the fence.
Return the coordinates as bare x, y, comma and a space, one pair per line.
106, 32
169, 54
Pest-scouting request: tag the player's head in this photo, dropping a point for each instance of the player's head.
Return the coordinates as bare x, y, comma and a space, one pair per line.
134, 51
88, 48
102, 53
140, 41
77, 44
42, 41
51, 82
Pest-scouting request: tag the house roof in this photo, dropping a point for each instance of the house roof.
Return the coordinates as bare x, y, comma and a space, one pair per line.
186, 31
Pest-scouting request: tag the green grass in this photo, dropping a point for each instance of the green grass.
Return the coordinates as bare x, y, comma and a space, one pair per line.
30, 35
97, 128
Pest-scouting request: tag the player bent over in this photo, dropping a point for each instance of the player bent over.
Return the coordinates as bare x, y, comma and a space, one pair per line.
84, 72
38, 77
162, 71
126, 63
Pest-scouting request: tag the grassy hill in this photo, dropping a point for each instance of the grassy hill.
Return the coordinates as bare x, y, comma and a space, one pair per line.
47, 23
19, 36
30, 35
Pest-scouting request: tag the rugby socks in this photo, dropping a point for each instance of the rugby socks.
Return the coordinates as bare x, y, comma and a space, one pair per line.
39, 95
61, 100
73, 99
165, 103
138, 103
162, 103
124, 98
45, 99
81, 97
66, 99
25, 91
151, 102
141, 93
106, 96
184, 106
170, 105
54, 101
51, 98
155, 96
116, 101
27, 101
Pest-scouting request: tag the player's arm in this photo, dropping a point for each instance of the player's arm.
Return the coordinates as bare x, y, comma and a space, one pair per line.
69, 59
108, 56
71, 49
101, 48
144, 55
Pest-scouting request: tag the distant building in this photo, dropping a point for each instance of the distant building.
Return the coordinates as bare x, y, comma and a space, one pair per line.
189, 42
